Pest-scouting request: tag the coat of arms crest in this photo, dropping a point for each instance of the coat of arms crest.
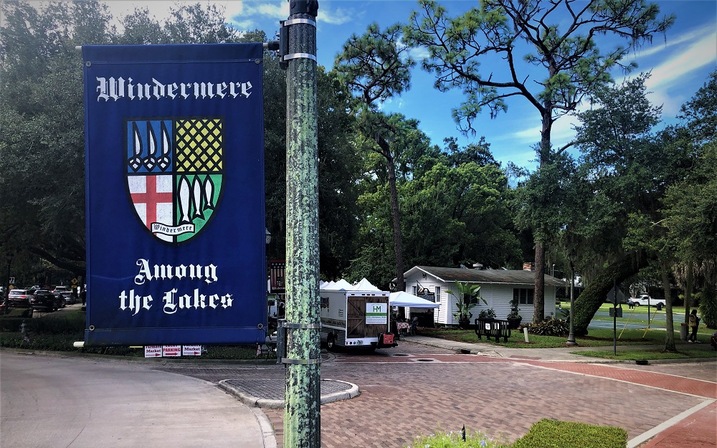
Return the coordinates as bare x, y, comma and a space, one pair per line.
174, 174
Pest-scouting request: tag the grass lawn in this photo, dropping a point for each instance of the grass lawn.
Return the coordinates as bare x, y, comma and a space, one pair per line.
634, 343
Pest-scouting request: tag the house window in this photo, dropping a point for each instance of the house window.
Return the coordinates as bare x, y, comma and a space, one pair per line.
524, 296
438, 294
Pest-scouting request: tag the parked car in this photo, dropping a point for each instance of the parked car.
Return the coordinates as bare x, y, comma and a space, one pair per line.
44, 299
646, 300
69, 298
19, 299
62, 293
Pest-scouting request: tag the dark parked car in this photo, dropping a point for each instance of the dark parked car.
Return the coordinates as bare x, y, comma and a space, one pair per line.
44, 299
68, 298
64, 295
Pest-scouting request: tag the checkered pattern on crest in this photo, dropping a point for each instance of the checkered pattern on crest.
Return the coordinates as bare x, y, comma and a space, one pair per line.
199, 145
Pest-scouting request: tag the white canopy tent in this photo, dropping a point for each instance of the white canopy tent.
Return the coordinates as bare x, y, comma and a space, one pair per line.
343, 285
365, 285
337, 286
402, 298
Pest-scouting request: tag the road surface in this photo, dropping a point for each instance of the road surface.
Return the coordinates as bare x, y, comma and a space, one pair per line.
58, 401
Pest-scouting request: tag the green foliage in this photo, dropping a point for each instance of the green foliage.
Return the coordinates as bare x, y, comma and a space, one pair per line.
66, 321
549, 433
375, 65
572, 59
467, 297
53, 342
453, 213
488, 313
573, 56
684, 353
56, 331
41, 114
701, 112
708, 308
514, 309
454, 439
550, 327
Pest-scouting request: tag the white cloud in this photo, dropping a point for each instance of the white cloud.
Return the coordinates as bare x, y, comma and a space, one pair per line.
697, 55
674, 63
683, 55
689, 36
337, 16
271, 10
561, 133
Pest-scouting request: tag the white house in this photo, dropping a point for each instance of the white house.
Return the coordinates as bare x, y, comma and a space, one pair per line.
498, 287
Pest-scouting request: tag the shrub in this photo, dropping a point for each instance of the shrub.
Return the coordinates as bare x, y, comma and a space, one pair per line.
63, 322
55, 331
550, 327
557, 434
487, 313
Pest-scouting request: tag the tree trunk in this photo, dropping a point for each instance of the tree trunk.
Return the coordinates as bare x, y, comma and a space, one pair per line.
396, 217
669, 324
539, 292
594, 294
543, 158
689, 284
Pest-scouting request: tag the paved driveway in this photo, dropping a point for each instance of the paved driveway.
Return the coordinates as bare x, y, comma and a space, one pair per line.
426, 389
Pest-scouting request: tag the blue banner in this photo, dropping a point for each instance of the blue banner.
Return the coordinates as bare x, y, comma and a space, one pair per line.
175, 194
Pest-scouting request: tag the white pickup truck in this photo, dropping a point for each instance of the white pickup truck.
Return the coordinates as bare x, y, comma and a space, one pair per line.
646, 300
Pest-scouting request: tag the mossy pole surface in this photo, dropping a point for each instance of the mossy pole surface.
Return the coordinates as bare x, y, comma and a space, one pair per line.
302, 425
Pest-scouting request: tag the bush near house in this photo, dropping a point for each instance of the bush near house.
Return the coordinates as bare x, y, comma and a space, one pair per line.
550, 327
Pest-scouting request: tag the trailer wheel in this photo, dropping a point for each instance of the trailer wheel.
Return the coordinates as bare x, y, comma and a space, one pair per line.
331, 342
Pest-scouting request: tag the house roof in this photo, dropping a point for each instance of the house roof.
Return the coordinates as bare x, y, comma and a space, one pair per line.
513, 277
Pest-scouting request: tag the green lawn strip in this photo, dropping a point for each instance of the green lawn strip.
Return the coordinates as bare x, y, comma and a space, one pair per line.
650, 354
557, 434
632, 338
596, 338
454, 439
546, 433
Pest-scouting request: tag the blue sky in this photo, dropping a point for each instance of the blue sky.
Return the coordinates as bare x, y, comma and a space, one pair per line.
679, 62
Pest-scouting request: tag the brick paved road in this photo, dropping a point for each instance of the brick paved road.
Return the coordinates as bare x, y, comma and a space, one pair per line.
428, 390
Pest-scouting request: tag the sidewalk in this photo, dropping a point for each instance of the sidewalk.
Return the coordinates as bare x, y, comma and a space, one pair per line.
487, 349
694, 428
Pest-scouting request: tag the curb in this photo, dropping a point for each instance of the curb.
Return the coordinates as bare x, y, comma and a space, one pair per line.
250, 400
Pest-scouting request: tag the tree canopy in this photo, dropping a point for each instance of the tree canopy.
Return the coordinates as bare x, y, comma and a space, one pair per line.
630, 195
558, 40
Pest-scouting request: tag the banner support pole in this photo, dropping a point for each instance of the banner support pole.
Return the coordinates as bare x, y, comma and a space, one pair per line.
302, 427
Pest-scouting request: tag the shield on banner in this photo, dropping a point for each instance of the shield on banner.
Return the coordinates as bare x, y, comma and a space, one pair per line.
174, 174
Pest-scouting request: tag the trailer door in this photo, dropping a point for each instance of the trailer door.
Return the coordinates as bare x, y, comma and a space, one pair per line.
358, 324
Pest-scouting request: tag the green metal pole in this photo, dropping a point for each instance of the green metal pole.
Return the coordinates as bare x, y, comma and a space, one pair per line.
302, 424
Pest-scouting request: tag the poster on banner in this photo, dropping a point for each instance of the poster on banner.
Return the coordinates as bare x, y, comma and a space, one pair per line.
152, 351
174, 194
191, 350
